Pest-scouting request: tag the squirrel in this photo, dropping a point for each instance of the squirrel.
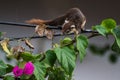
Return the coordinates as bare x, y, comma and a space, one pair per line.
72, 21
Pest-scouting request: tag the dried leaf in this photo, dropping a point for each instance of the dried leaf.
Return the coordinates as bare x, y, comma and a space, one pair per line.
17, 50
4, 44
49, 33
40, 29
27, 42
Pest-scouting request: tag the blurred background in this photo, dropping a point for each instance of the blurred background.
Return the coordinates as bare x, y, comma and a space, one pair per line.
94, 67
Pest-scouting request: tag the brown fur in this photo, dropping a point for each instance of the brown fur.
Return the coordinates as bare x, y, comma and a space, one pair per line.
74, 16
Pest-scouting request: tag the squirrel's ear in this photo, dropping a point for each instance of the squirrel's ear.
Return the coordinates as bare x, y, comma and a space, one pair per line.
35, 21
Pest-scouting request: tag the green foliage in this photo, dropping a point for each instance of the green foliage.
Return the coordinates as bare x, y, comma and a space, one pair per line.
100, 29
3, 67
40, 70
57, 73
50, 57
25, 77
67, 42
106, 26
9, 68
59, 62
9, 77
109, 24
115, 47
0, 34
66, 57
27, 56
37, 56
81, 43
116, 34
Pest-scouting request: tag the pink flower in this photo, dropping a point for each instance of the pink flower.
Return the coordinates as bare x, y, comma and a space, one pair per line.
29, 68
17, 71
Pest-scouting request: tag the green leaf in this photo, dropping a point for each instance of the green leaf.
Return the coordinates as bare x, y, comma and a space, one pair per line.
27, 56
2, 71
115, 47
9, 68
37, 56
65, 41
21, 64
57, 73
116, 33
3, 67
40, 70
2, 64
25, 77
0, 34
82, 43
109, 24
8, 77
50, 57
66, 57
100, 29
32, 77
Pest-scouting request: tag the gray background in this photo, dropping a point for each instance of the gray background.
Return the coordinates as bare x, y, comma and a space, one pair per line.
93, 67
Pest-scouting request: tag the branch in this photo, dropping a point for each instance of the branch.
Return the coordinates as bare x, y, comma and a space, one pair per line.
93, 35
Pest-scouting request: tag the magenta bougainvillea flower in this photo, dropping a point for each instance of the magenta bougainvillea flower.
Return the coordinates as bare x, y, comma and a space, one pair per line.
29, 68
17, 71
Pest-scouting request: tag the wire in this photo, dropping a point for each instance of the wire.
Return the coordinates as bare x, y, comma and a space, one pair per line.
27, 25
33, 26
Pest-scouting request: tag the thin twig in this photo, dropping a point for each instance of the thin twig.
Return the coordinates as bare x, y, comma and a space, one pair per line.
93, 35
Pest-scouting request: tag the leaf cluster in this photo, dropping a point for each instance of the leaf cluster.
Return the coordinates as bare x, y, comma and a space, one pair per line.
58, 63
